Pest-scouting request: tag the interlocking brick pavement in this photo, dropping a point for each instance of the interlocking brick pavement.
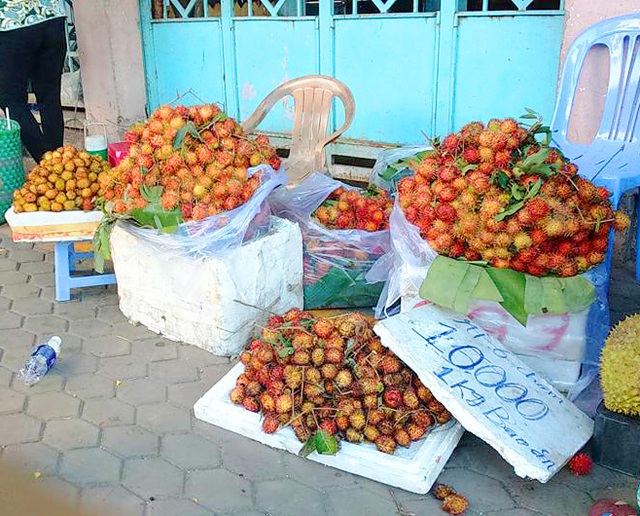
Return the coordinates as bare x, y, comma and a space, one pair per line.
111, 427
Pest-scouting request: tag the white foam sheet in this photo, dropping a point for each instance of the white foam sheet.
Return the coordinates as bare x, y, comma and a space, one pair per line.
414, 469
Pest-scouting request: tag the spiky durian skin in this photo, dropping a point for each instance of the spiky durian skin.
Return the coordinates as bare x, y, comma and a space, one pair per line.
620, 368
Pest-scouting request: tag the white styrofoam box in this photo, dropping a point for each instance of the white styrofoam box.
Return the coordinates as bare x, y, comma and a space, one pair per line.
562, 373
216, 303
488, 389
48, 226
415, 468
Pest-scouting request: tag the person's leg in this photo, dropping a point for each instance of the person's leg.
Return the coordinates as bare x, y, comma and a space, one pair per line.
46, 78
16, 55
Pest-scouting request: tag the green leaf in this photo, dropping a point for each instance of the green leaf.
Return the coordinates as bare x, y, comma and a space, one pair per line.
468, 168
529, 116
517, 192
188, 128
343, 288
534, 159
283, 352
157, 218
534, 189
389, 173
453, 283
151, 193
511, 285
509, 211
309, 447
503, 179
557, 295
443, 279
466, 288
486, 289
326, 444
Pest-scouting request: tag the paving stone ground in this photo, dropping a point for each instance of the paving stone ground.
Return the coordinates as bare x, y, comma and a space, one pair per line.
111, 427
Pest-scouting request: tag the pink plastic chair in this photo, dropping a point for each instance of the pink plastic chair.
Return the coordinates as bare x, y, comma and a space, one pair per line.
612, 159
312, 96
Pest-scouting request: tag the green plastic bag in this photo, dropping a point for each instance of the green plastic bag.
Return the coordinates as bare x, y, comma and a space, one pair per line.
11, 167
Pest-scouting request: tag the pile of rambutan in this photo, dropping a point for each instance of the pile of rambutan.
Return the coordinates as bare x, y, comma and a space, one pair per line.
366, 210
197, 155
333, 375
494, 193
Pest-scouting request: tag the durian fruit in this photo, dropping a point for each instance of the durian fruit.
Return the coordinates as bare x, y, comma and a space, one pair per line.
620, 368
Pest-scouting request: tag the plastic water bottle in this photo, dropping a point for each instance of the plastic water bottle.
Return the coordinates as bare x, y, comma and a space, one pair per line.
41, 361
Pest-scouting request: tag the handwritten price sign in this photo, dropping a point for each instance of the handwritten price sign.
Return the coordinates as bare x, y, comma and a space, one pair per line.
489, 391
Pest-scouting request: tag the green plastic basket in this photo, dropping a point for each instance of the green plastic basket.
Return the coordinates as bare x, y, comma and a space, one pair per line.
11, 167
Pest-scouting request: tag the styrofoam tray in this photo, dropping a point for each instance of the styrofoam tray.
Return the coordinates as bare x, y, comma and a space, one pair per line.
414, 469
47, 226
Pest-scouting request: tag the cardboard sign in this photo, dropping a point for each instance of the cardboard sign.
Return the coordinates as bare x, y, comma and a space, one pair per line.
491, 392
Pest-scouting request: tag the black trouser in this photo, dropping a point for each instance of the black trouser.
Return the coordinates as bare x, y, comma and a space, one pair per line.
35, 53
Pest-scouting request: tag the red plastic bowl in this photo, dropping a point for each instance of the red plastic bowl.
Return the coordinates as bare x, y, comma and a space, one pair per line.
116, 152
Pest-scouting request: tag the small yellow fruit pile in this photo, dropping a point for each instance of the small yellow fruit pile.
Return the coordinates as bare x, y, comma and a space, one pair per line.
65, 179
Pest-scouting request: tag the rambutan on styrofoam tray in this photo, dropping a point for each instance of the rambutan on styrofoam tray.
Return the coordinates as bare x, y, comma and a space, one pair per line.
414, 469
48, 226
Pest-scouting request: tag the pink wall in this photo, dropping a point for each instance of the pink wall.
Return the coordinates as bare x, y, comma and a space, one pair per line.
592, 86
110, 48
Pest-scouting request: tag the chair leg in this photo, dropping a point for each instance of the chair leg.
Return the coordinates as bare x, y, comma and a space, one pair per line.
638, 235
61, 268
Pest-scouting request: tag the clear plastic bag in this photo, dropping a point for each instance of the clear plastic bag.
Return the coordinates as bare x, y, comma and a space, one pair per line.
554, 345
219, 233
335, 261
385, 179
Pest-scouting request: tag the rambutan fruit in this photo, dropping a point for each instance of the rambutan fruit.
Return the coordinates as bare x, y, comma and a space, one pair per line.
442, 243
450, 143
513, 227
537, 208
457, 249
564, 190
599, 243
490, 206
479, 182
447, 194
486, 168
251, 404
323, 328
621, 221
580, 464
392, 397
471, 155
551, 226
236, 395
565, 247
595, 257
500, 263
446, 212
582, 264
455, 504
486, 154
538, 236
471, 131
334, 356
406, 185
567, 270
441, 491
415, 431
386, 444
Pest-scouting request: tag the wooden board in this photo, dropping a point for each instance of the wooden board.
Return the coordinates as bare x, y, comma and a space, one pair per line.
46, 226
490, 391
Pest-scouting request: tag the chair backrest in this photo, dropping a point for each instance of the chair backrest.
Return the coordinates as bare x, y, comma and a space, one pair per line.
619, 129
312, 96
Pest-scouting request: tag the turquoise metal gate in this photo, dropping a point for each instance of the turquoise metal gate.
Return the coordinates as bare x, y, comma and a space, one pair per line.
416, 67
